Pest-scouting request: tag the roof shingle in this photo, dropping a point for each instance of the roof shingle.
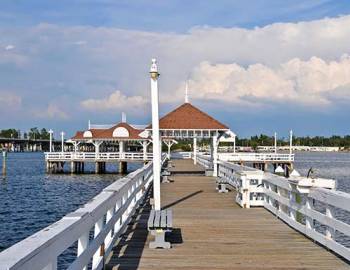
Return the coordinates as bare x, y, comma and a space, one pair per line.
188, 116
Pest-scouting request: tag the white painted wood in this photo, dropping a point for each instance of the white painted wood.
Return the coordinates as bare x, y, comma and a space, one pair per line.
42, 249
83, 243
155, 134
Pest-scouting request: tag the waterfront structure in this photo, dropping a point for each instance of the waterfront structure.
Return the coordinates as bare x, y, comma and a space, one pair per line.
300, 148
103, 144
211, 222
29, 145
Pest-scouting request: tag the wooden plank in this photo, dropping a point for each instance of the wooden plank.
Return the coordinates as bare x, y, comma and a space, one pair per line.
151, 220
169, 224
212, 232
163, 219
157, 219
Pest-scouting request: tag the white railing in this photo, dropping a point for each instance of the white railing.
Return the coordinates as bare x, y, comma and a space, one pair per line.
103, 156
181, 155
314, 211
247, 182
255, 157
309, 213
107, 215
205, 161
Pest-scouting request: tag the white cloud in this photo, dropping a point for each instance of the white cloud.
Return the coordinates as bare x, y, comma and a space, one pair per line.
53, 111
116, 101
281, 62
310, 83
9, 47
10, 101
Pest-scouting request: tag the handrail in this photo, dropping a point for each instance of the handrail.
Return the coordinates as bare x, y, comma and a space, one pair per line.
299, 211
239, 156
107, 214
205, 161
304, 211
72, 156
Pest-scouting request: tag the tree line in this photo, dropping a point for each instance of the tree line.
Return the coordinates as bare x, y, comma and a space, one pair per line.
33, 134
332, 141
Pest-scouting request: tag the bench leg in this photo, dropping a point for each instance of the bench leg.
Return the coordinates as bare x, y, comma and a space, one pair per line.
165, 179
159, 240
222, 188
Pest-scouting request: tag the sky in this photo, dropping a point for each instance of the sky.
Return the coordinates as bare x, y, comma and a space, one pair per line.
258, 66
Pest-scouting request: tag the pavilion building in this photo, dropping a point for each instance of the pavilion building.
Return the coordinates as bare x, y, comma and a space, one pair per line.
124, 142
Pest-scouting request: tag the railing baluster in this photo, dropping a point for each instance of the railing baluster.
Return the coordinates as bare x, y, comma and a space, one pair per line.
292, 212
97, 256
83, 243
329, 230
308, 220
109, 236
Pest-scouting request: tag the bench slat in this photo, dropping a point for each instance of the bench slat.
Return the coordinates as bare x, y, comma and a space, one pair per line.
157, 219
169, 219
163, 221
151, 219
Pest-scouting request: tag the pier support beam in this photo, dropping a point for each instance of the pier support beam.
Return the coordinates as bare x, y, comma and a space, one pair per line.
123, 167
97, 167
73, 167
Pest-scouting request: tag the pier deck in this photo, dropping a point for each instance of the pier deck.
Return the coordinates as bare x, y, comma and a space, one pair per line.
212, 232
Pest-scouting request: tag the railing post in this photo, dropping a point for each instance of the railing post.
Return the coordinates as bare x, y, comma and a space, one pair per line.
109, 236
292, 212
308, 220
119, 221
97, 256
83, 242
329, 213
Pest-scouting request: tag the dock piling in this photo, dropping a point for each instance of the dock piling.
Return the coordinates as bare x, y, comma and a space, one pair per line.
4, 157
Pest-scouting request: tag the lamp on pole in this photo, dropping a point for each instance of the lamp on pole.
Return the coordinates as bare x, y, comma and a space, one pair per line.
50, 133
275, 142
62, 141
155, 134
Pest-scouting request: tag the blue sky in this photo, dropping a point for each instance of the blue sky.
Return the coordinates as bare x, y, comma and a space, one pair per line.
259, 66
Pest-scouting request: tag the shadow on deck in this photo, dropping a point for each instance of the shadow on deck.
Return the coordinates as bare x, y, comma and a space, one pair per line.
214, 233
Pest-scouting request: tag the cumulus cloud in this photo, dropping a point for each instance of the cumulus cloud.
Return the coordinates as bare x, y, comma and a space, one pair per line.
53, 111
313, 82
299, 63
10, 101
116, 101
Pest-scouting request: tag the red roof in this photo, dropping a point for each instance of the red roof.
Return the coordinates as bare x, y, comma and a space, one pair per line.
108, 133
188, 116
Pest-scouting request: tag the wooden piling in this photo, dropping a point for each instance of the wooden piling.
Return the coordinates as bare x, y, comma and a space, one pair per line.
4, 157
123, 167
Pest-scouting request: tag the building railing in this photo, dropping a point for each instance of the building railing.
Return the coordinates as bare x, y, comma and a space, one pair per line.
105, 216
256, 157
310, 206
93, 156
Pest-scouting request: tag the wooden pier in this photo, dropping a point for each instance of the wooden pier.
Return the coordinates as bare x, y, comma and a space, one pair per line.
213, 232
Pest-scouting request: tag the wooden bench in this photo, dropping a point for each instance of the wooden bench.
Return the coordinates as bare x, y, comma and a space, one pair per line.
160, 222
221, 185
165, 176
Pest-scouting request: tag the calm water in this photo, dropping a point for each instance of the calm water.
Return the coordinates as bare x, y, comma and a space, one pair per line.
30, 199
